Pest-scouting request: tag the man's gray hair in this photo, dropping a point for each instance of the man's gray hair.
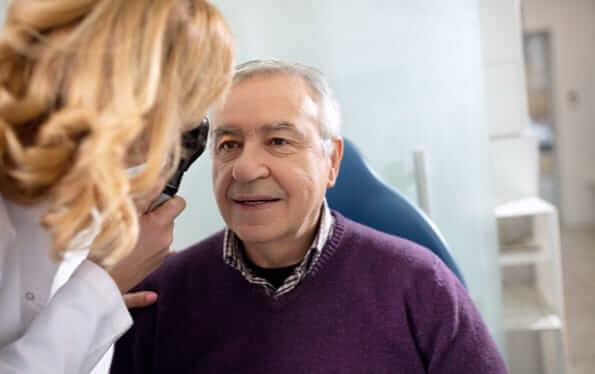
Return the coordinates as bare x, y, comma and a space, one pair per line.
329, 118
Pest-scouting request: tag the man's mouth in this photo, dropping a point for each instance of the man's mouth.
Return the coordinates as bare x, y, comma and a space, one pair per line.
256, 201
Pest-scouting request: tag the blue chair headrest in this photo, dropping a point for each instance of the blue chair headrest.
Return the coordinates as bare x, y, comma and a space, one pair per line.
361, 195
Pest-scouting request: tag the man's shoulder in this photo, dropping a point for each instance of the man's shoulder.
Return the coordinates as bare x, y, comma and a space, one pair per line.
205, 254
182, 274
204, 250
379, 244
393, 260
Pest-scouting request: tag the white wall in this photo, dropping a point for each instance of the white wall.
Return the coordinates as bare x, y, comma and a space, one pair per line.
514, 153
503, 62
409, 75
572, 27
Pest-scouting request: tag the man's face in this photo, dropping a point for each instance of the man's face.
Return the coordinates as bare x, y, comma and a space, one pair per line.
270, 171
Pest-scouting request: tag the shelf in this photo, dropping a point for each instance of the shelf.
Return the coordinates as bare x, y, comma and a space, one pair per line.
522, 258
524, 207
525, 310
522, 254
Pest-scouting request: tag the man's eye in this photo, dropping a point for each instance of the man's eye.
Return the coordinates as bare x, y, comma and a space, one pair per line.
278, 141
228, 145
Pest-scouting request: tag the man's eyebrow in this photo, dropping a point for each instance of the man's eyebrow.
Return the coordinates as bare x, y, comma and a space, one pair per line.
230, 130
225, 130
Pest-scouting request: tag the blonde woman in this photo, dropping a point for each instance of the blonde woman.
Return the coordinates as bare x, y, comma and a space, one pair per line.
89, 89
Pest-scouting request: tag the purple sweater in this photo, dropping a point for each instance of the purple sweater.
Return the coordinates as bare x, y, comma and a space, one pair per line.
373, 303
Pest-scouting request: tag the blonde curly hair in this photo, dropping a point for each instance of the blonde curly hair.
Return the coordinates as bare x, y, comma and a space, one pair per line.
89, 86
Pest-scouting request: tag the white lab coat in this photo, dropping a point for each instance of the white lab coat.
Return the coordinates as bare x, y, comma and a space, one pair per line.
45, 332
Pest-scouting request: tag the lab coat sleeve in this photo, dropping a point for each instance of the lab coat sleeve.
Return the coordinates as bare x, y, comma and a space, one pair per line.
72, 332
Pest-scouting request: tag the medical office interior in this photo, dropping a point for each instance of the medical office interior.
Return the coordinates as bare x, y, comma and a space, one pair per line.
481, 113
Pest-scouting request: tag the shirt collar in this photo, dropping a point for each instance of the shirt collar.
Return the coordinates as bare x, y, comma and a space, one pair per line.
7, 233
325, 228
233, 256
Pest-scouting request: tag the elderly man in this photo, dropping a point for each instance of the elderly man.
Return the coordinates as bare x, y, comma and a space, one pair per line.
291, 286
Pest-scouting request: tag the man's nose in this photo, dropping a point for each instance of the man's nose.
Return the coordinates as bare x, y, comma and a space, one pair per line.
250, 164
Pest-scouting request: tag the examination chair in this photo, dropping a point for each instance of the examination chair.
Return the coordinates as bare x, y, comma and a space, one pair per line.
362, 196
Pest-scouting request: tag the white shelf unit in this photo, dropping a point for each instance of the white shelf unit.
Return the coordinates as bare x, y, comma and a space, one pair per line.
525, 310
533, 298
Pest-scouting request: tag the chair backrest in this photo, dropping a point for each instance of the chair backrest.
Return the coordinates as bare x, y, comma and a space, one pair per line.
362, 196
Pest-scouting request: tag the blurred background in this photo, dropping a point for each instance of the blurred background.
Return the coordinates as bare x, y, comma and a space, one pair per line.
497, 98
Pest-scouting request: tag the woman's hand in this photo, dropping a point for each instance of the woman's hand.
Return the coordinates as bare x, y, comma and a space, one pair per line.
155, 237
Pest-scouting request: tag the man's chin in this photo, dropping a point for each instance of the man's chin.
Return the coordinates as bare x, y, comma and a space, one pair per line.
254, 233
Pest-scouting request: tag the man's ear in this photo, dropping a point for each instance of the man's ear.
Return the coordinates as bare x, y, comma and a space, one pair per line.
335, 158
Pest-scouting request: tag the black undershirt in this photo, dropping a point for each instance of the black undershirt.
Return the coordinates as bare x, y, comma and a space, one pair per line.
275, 276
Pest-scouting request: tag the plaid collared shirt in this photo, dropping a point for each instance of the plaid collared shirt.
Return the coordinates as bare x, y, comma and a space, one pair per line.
234, 257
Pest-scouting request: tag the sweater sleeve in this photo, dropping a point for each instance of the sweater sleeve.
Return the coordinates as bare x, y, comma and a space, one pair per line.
452, 336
